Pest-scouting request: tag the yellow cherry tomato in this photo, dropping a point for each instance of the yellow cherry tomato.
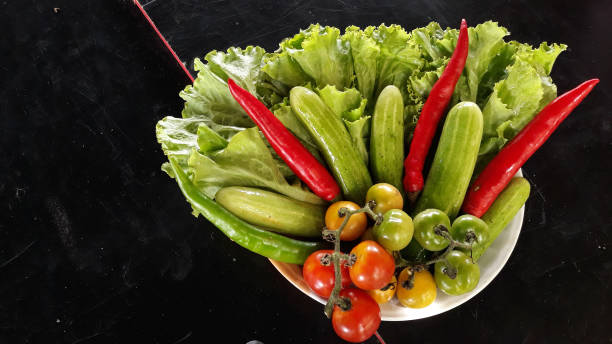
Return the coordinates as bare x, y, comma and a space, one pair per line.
386, 293
356, 224
386, 196
423, 291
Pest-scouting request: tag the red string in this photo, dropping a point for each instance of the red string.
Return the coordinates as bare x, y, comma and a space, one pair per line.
382, 341
159, 34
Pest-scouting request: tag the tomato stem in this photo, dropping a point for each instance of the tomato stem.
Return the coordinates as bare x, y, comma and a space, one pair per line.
337, 256
441, 230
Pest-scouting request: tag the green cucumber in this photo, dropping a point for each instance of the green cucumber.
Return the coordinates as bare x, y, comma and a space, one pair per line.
502, 211
387, 138
334, 142
273, 211
453, 164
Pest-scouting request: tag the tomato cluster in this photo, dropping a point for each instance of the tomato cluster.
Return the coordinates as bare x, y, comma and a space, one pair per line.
368, 272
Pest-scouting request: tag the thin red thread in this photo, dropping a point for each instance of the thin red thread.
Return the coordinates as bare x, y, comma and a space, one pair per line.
159, 34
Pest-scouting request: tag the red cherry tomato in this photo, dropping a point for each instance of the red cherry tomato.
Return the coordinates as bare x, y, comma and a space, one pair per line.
360, 321
320, 278
373, 267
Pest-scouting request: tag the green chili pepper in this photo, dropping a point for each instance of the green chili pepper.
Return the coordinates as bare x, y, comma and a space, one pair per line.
470, 230
425, 224
268, 244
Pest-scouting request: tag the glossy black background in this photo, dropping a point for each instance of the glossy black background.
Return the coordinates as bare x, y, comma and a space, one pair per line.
98, 246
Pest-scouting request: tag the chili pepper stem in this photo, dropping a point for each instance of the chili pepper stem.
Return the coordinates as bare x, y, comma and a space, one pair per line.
337, 256
413, 196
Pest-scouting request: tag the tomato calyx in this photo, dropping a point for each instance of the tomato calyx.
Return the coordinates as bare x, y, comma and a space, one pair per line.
346, 259
344, 303
391, 285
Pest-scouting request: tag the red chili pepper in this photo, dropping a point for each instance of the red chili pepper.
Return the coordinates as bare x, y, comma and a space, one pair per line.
498, 173
297, 157
434, 107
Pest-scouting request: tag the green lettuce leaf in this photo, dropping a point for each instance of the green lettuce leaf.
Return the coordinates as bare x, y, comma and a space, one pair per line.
283, 68
398, 58
435, 43
246, 161
516, 99
360, 135
364, 51
242, 65
209, 100
486, 42
347, 104
323, 55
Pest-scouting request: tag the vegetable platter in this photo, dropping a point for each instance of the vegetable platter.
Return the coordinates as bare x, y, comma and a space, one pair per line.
377, 168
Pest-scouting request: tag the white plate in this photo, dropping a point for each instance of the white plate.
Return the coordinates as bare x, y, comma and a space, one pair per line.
491, 263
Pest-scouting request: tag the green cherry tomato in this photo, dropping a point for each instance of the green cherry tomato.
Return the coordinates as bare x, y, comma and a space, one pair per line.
424, 224
466, 274
414, 252
386, 196
470, 230
395, 231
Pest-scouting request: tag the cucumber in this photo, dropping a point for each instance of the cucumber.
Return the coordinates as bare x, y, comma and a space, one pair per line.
453, 164
334, 142
502, 211
273, 211
387, 138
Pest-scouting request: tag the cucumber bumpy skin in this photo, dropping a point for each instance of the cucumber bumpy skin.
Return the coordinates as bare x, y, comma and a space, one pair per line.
387, 138
273, 211
334, 142
453, 165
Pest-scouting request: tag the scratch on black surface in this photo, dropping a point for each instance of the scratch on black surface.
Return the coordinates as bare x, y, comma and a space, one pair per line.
148, 3
17, 255
184, 338
92, 336
61, 221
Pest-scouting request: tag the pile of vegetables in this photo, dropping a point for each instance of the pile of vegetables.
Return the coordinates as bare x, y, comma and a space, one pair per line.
267, 140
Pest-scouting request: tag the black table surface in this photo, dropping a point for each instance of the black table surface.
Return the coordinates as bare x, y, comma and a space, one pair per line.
97, 245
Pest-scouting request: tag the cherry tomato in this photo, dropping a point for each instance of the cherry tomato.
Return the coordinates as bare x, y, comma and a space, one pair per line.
360, 321
466, 274
320, 278
356, 224
384, 294
373, 267
422, 291
386, 196
424, 224
470, 229
395, 231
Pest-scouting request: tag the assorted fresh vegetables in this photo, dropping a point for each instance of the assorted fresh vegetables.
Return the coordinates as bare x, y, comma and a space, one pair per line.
498, 173
333, 141
266, 140
454, 160
433, 109
293, 153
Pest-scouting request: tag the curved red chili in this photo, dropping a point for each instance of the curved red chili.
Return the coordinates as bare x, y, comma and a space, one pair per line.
297, 157
498, 173
432, 111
